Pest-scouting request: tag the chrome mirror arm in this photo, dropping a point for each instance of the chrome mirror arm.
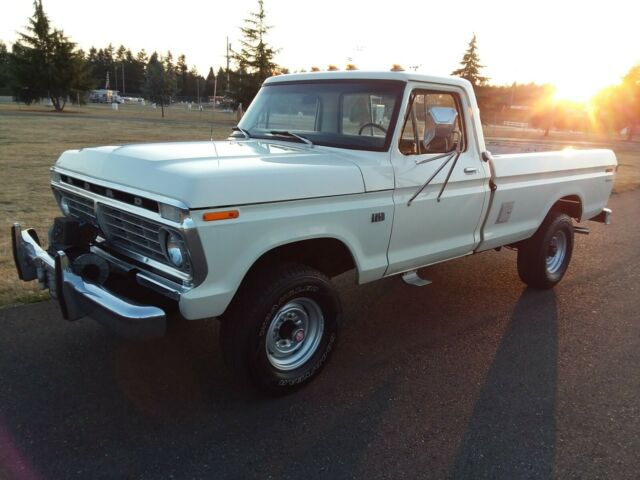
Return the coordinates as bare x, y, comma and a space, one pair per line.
439, 169
437, 157
446, 180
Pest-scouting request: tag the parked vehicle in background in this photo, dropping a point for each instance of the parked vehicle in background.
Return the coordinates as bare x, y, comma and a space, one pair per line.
105, 96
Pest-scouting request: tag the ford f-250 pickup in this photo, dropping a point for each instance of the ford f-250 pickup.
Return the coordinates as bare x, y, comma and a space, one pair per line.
382, 172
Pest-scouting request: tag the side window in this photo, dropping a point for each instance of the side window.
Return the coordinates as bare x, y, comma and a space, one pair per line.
433, 124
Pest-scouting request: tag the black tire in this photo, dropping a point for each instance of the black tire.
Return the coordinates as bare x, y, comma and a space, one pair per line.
251, 322
544, 258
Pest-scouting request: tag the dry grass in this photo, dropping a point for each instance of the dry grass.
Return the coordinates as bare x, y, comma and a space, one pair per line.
31, 139
628, 177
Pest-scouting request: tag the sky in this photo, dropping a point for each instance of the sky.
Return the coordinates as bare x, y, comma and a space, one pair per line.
580, 46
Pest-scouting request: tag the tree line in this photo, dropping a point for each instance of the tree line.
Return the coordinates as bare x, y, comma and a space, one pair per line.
127, 72
45, 63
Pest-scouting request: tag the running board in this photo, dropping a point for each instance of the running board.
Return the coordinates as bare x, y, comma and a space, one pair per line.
582, 230
412, 278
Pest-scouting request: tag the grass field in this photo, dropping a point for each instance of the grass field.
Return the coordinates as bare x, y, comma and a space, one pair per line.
32, 138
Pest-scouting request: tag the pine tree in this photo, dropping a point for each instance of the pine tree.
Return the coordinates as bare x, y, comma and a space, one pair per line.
195, 82
45, 63
255, 59
160, 80
4, 69
470, 65
209, 84
182, 70
222, 81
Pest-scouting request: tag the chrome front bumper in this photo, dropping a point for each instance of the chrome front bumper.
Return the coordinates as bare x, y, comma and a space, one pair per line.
79, 298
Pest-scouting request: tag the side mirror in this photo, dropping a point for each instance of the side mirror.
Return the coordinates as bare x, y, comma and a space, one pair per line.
440, 128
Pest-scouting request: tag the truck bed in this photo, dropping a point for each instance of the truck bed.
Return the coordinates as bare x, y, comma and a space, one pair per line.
528, 185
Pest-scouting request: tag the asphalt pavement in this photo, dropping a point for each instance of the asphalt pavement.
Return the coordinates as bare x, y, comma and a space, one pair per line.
474, 377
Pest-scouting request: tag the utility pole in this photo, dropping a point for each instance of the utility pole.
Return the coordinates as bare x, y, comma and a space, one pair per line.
198, 90
123, 90
115, 76
215, 92
228, 58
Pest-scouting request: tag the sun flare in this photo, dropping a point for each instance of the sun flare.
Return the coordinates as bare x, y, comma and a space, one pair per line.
579, 92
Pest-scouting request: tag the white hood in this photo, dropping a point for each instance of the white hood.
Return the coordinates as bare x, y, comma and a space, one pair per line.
211, 174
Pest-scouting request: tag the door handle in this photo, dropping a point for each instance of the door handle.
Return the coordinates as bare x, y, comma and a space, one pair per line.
470, 170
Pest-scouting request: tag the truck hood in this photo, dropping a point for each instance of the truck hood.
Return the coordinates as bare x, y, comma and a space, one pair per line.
211, 174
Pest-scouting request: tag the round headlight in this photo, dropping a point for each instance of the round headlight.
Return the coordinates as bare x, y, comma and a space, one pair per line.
174, 249
64, 206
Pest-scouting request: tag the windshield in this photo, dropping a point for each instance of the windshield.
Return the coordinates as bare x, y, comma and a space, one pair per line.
358, 114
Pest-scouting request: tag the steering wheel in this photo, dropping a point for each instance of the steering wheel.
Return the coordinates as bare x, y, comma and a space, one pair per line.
371, 124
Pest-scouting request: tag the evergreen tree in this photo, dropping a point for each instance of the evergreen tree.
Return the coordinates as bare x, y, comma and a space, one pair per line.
142, 57
182, 70
255, 59
195, 83
136, 72
160, 80
100, 62
470, 65
222, 81
209, 84
168, 63
45, 63
121, 54
4, 69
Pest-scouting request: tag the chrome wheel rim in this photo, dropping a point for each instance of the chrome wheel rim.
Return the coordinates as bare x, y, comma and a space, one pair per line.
556, 252
294, 334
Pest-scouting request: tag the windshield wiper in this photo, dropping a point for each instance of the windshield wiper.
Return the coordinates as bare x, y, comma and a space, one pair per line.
286, 133
242, 131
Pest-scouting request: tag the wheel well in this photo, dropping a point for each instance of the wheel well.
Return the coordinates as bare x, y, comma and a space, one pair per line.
327, 255
571, 205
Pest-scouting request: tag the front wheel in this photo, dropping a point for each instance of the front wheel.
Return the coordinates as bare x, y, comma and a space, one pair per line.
282, 327
544, 258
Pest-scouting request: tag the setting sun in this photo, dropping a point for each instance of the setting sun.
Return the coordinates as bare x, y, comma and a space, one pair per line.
575, 91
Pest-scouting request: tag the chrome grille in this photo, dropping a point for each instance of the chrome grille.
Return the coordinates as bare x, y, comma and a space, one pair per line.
80, 207
132, 232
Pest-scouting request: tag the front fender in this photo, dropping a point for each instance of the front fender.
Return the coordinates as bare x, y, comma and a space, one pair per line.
231, 247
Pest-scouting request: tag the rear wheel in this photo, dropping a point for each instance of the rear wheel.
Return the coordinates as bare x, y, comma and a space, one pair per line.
544, 258
281, 328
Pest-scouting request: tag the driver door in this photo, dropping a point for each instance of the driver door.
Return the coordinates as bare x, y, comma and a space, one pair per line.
429, 231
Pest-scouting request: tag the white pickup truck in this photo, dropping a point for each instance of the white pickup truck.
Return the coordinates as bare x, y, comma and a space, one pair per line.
383, 172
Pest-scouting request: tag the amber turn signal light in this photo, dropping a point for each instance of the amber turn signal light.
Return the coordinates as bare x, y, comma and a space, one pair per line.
226, 215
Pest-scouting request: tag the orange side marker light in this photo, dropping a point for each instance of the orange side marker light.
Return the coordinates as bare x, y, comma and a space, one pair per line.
226, 215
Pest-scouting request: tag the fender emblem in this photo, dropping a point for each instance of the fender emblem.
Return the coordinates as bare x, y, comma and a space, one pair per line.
377, 217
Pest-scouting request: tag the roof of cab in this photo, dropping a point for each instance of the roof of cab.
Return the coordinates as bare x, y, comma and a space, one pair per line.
404, 76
